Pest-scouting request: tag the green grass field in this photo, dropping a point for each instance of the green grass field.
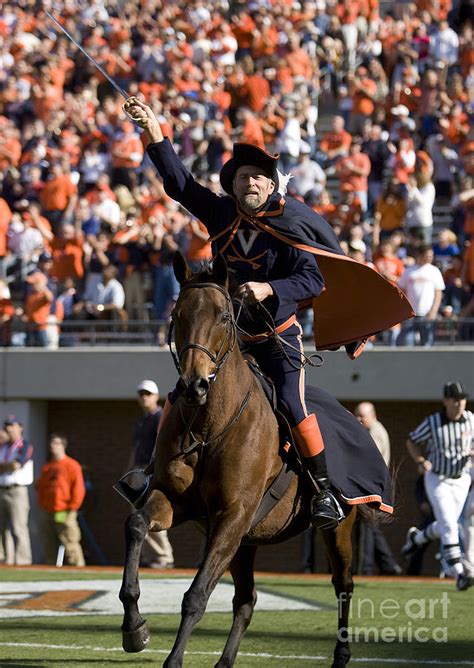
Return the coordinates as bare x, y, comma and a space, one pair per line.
279, 639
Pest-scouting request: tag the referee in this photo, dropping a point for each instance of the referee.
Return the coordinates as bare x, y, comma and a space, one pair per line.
441, 448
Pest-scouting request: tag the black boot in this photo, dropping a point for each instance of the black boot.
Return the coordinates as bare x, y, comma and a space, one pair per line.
134, 495
326, 512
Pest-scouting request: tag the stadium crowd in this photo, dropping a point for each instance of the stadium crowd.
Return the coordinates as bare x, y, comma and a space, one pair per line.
86, 231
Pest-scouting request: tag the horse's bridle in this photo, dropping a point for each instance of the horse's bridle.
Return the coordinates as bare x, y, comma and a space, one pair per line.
216, 358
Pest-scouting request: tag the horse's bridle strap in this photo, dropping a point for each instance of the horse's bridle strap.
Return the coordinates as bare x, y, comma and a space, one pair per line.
197, 346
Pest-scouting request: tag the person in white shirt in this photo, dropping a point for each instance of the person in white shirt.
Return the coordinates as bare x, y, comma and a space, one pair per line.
444, 45
423, 284
104, 300
307, 175
16, 475
419, 210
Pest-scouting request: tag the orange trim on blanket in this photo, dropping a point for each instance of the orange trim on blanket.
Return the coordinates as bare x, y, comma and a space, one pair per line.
373, 498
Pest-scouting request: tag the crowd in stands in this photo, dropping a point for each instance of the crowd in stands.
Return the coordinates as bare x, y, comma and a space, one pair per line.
86, 231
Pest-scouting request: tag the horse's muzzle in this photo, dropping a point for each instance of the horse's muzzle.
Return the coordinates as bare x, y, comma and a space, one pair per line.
194, 391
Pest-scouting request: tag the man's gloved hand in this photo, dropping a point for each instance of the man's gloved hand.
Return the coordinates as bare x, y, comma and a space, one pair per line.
60, 516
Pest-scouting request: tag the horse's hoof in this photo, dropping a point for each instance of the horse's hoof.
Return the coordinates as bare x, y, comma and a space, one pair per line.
341, 662
136, 641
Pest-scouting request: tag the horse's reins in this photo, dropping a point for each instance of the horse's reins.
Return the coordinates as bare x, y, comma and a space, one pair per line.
216, 360
280, 341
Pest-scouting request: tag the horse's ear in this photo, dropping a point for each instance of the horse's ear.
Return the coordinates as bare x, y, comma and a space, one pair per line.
219, 270
181, 270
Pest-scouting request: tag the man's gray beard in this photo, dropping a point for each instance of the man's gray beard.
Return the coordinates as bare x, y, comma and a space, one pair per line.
250, 207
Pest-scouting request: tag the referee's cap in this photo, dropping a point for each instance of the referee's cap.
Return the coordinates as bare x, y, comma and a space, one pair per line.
148, 386
454, 390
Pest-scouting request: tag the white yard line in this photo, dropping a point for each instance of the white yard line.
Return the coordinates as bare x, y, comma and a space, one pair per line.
255, 655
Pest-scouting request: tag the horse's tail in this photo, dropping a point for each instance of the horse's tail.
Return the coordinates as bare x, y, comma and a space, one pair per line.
375, 516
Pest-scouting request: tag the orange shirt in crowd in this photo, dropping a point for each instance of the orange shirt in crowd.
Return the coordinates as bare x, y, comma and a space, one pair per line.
469, 263
61, 486
10, 153
265, 42
391, 213
334, 140
67, 258
348, 178
299, 63
5, 217
391, 268
362, 101
127, 151
38, 309
46, 99
252, 133
257, 91
6, 308
243, 29
57, 192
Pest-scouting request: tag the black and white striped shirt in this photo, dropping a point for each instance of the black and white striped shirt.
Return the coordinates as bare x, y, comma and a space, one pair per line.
447, 443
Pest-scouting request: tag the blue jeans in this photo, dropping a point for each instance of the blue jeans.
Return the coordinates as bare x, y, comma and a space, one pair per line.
425, 328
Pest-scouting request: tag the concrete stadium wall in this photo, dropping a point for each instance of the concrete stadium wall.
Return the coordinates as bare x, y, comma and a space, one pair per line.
99, 373
89, 394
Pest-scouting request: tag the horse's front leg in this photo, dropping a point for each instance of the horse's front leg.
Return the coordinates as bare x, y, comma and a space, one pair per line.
243, 603
157, 513
224, 539
339, 548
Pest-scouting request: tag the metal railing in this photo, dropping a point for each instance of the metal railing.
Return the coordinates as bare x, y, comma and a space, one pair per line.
74, 333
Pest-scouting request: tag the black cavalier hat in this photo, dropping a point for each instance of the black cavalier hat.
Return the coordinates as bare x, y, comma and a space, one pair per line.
454, 390
248, 154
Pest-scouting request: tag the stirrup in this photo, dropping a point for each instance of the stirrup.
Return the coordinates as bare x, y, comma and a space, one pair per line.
134, 495
326, 511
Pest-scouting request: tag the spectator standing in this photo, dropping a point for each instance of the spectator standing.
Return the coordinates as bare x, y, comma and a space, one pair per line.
419, 211
58, 197
38, 309
441, 447
104, 301
158, 552
16, 475
354, 170
61, 491
334, 144
377, 150
307, 175
375, 549
423, 284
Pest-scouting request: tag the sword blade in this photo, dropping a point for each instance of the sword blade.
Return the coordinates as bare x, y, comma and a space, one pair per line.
88, 56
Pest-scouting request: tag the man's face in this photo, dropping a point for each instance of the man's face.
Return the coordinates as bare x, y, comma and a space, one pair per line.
57, 449
13, 431
147, 400
454, 408
366, 415
252, 187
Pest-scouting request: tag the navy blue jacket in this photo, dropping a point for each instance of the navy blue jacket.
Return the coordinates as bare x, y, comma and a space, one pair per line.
251, 253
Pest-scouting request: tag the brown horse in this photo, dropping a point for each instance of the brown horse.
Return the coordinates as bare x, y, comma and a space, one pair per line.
216, 454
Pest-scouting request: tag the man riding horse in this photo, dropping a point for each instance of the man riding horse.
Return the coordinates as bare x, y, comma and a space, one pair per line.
282, 254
